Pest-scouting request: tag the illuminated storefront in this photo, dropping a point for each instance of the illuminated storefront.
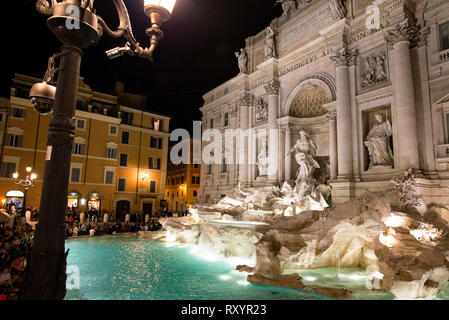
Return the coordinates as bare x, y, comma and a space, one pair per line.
73, 200
15, 197
94, 201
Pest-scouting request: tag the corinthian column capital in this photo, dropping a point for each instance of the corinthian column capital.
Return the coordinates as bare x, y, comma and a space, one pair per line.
344, 57
404, 31
246, 99
272, 87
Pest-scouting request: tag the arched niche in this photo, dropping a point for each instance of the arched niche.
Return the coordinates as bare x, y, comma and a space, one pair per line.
307, 97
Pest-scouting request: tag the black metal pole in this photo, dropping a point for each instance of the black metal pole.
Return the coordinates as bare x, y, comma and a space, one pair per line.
47, 274
24, 208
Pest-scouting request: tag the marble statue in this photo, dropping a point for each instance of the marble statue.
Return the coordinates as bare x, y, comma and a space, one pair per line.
337, 8
270, 44
378, 143
305, 150
262, 159
242, 58
375, 70
261, 110
287, 5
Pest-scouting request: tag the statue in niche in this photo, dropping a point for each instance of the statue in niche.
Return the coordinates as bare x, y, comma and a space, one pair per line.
242, 58
287, 5
375, 70
270, 44
305, 150
262, 159
378, 143
337, 8
261, 110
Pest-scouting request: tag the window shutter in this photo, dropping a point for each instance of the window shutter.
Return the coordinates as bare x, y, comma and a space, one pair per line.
8, 140
159, 143
150, 164
83, 149
19, 141
107, 153
114, 153
24, 113
158, 164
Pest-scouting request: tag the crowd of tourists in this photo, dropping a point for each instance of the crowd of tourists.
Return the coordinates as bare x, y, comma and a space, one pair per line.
15, 246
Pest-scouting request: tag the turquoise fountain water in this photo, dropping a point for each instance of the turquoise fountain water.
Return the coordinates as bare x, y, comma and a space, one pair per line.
127, 268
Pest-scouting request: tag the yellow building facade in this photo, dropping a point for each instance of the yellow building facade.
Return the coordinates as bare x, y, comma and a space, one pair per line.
119, 157
183, 182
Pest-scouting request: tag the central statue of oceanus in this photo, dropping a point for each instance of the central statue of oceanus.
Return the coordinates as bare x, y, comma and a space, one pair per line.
305, 152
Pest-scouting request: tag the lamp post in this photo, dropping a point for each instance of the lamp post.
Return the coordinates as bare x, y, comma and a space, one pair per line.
76, 24
27, 182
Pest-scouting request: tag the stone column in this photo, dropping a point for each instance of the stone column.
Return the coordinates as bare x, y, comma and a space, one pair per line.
344, 129
333, 149
272, 89
399, 40
244, 102
288, 159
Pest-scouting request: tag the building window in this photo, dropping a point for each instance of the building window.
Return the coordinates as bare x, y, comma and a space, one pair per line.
75, 176
127, 117
154, 163
111, 153
81, 124
152, 186
224, 166
226, 119
17, 112
113, 130
121, 185
211, 123
193, 180
196, 166
209, 169
7, 169
125, 137
444, 36
156, 125
195, 194
197, 180
78, 148
14, 140
156, 143
109, 177
123, 160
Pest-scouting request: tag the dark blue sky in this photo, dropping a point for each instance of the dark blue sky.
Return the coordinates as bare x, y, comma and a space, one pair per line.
196, 55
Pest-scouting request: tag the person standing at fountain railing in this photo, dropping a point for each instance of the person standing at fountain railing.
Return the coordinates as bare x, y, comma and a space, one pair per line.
305, 150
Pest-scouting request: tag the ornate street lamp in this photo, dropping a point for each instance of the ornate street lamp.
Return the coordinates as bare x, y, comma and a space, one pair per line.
27, 182
76, 24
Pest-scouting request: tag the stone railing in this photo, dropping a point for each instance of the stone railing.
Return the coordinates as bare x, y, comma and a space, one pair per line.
444, 55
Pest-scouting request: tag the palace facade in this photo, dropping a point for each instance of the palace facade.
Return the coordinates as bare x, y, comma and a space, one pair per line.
330, 68
119, 157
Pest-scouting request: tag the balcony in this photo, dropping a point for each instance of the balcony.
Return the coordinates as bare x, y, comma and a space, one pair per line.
444, 55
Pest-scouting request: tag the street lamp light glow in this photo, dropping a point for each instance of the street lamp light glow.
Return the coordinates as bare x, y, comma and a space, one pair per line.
15, 175
166, 4
33, 176
28, 169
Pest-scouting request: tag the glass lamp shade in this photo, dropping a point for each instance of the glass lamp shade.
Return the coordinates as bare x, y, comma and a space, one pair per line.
15, 175
33, 176
166, 4
28, 169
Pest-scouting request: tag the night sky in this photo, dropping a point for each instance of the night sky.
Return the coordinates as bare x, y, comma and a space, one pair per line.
196, 55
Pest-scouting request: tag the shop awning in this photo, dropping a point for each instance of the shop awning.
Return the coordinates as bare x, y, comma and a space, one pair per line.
14, 194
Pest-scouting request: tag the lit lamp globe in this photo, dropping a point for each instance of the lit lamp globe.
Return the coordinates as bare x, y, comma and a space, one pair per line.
33, 176
28, 169
158, 11
15, 175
